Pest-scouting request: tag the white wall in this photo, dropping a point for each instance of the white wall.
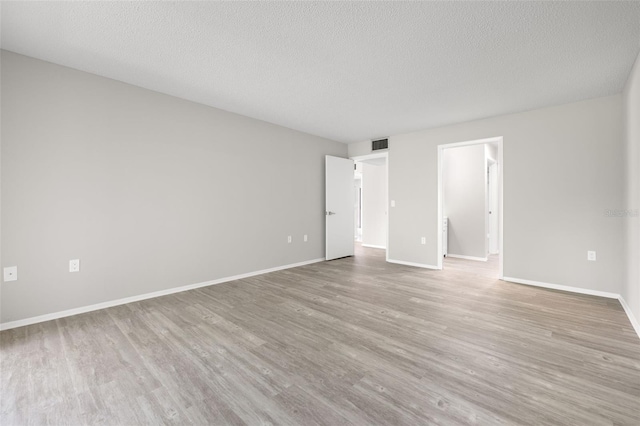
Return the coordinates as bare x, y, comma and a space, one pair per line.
150, 192
464, 198
562, 167
374, 205
631, 284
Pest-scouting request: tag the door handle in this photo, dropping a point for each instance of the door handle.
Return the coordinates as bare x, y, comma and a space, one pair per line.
328, 213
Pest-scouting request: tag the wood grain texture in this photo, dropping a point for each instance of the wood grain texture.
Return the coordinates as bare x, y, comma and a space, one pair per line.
351, 341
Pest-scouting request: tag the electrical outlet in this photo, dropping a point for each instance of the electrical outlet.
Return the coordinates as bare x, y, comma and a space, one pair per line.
393, 203
305, 238
289, 239
74, 265
11, 273
423, 240
591, 256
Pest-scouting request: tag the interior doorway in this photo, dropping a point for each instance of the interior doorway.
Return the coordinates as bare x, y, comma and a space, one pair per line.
371, 200
470, 204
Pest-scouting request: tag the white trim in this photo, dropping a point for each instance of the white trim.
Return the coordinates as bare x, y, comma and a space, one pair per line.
563, 288
370, 156
634, 322
373, 246
473, 142
388, 210
441, 216
459, 256
388, 207
501, 208
417, 265
103, 305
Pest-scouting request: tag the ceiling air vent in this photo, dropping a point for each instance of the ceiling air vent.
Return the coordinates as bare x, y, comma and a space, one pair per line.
379, 144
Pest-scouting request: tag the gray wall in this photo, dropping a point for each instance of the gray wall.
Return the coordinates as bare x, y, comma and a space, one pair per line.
563, 166
464, 199
149, 191
631, 287
374, 205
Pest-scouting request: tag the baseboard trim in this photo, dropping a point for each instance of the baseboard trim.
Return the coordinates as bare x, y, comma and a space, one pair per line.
563, 288
634, 322
459, 256
117, 302
417, 265
372, 246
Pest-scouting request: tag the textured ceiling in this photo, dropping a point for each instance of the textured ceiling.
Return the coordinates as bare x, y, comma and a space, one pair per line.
348, 71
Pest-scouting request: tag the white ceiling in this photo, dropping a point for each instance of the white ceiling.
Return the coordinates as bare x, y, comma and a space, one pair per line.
348, 71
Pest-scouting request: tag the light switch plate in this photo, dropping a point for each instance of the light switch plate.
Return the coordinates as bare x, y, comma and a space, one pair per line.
393, 203
74, 265
591, 255
10, 273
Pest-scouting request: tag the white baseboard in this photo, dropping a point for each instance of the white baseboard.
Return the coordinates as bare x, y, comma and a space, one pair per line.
627, 309
417, 265
459, 256
103, 305
563, 288
372, 246
632, 318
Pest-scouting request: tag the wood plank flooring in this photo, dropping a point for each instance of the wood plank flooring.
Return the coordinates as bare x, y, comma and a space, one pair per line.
488, 269
352, 341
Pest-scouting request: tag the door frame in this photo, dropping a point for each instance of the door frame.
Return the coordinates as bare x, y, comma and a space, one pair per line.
441, 148
385, 155
492, 165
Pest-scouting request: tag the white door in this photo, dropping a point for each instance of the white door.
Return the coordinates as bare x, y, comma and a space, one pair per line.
339, 208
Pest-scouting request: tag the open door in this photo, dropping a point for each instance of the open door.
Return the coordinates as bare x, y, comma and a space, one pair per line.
339, 208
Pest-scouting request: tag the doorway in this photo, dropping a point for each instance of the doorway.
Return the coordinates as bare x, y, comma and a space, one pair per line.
371, 205
470, 204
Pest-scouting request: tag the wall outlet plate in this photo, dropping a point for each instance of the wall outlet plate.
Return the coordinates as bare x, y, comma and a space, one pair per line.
591, 256
10, 273
289, 239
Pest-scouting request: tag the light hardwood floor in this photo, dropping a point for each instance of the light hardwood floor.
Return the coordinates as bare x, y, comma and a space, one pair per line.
351, 341
488, 269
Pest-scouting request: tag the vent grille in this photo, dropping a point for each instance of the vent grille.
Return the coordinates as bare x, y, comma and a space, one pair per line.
379, 144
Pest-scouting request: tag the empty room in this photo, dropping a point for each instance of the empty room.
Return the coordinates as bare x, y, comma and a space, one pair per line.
320, 213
